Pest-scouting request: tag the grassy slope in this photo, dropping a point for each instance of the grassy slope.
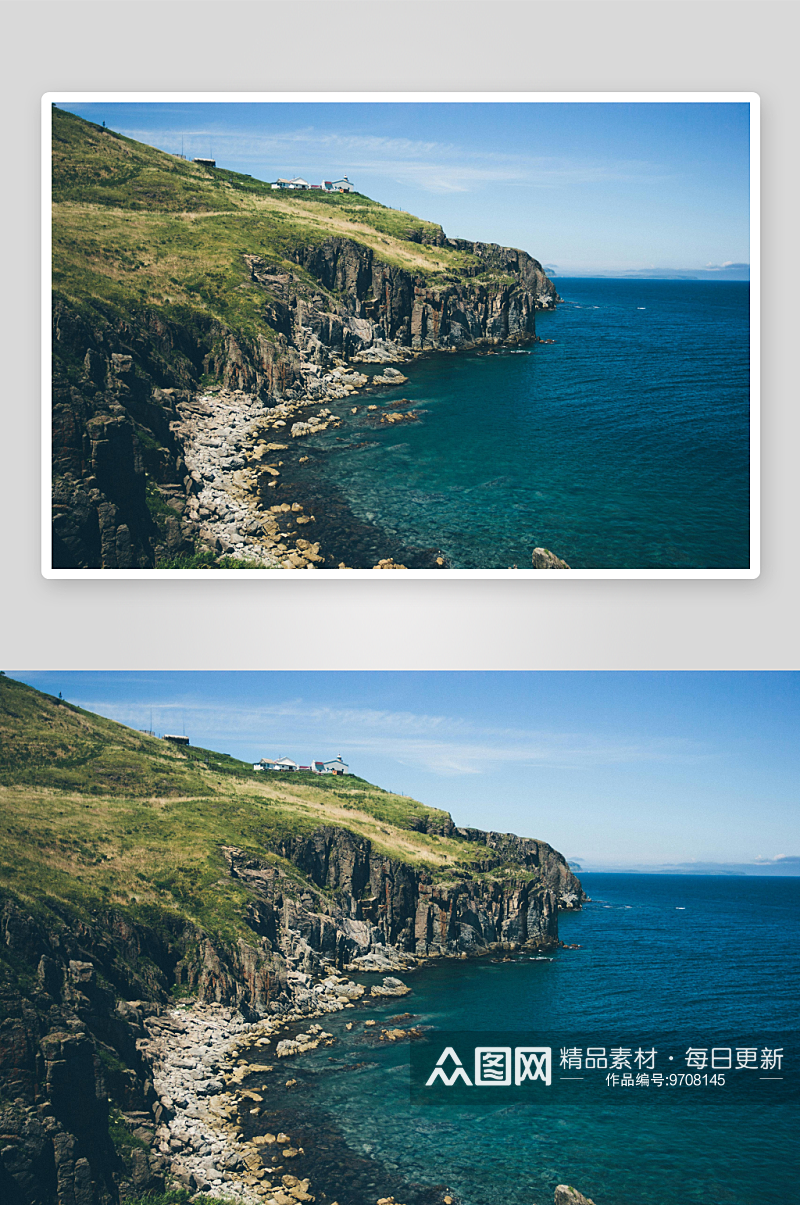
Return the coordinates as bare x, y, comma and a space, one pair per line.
134, 226
93, 813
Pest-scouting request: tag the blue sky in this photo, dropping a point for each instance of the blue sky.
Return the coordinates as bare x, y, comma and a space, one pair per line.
613, 769
601, 187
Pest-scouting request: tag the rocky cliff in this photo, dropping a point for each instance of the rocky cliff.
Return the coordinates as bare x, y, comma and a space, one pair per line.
120, 478
276, 311
370, 907
77, 997
135, 873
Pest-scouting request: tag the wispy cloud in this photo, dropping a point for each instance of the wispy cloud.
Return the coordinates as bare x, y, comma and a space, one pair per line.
441, 744
438, 167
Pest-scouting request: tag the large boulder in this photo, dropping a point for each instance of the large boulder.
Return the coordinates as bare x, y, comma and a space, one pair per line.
565, 1195
390, 987
543, 558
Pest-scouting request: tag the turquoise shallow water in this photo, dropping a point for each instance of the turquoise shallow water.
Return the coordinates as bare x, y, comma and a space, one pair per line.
691, 961
623, 444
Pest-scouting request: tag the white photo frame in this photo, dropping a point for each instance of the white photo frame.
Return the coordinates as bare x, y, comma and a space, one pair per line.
751, 99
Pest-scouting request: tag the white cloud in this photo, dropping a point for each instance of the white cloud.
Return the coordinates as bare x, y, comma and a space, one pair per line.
436, 167
443, 745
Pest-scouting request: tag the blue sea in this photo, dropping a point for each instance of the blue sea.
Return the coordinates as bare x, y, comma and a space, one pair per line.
673, 961
622, 444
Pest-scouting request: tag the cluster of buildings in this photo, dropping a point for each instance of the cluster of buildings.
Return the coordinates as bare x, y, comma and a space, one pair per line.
342, 185
337, 766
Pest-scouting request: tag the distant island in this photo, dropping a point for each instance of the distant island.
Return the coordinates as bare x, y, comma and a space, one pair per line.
204, 322
710, 272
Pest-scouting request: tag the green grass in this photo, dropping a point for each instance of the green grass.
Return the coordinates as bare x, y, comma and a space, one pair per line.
124, 1141
209, 560
136, 227
94, 815
143, 241
177, 1196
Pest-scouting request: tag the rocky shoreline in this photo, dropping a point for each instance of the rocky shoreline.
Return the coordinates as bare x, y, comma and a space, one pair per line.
225, 1132
244, 500
109, 1085
248, 497
174, 436
199, 1056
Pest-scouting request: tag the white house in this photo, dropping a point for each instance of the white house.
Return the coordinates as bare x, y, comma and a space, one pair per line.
275, 763
342, 185
297, 182
337, 766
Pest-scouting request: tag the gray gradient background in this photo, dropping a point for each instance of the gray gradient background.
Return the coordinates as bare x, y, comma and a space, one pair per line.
391, 623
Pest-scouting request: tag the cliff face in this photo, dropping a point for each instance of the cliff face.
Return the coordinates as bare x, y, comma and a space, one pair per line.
120, 479
77, 999
134, 872
368, 902
381, 302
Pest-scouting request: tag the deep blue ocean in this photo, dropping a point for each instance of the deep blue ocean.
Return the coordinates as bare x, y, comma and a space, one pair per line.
623, 444
673, 961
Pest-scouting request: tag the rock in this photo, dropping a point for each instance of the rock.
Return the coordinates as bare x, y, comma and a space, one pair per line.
388, 563
565, 1195
390, 987
390, 376
543, 558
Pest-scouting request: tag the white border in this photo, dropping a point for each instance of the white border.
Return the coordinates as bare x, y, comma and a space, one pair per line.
750, 98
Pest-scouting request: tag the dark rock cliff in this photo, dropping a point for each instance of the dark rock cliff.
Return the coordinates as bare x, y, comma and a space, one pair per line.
77, 997
120, 481
382, 302
367, 900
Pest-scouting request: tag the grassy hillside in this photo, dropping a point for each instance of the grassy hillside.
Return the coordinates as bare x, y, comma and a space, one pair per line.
93, 813
134, 226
